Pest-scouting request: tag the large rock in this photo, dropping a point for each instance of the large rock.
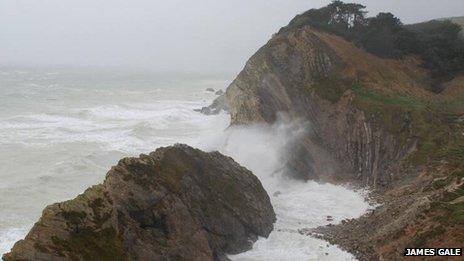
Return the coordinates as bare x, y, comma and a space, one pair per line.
177, 203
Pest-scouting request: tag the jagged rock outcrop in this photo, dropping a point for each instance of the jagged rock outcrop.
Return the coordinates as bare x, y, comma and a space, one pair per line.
218, 105
177, 203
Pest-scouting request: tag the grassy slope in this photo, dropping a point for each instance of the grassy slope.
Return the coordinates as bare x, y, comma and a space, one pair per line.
457, 20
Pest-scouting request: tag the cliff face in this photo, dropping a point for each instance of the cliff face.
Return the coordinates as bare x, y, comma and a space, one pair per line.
327, 81
372, 121
177, 203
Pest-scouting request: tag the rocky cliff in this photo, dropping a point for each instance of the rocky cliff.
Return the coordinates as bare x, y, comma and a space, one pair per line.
176, 203
329, 82
372, 122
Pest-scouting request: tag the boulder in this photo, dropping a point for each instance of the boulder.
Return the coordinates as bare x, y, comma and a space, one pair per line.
177, 203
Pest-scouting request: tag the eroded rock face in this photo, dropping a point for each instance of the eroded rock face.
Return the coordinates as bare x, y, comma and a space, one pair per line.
176, 203
310, 75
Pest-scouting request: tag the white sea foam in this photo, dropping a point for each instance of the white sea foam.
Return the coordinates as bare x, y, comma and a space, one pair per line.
10, 236
298, 205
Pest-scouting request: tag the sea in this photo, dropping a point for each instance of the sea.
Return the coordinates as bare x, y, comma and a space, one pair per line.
62, 129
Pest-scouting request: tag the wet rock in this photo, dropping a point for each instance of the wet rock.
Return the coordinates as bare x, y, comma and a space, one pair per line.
176, 203
219, 92
218, 105
305, 231
209, 89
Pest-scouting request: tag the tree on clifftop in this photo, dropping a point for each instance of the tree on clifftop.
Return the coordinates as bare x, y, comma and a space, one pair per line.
382, 35
346, 15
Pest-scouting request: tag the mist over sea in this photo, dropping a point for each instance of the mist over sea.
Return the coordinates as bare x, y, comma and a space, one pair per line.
61, 130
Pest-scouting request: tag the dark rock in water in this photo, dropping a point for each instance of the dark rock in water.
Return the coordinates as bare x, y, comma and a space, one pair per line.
219, 92
276, 194
209, 89
305, 231
218, 105
329, 218
177, 203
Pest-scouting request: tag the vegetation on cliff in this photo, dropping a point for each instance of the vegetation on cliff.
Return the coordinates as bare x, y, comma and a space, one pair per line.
438, 43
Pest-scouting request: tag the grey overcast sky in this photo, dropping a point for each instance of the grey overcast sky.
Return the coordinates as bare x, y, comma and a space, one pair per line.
172, 35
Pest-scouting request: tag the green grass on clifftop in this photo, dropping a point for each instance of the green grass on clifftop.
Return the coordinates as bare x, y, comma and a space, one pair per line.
435, 127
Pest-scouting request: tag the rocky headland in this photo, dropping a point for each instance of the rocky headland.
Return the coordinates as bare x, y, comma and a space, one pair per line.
375, 122
177, 203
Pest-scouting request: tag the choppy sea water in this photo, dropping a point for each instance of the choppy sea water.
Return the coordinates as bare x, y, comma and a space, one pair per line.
61, 131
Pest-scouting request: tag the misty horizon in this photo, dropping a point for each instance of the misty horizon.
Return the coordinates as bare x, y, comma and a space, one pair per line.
176, 36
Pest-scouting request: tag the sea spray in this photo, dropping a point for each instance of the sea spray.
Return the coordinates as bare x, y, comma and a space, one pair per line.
299, 205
